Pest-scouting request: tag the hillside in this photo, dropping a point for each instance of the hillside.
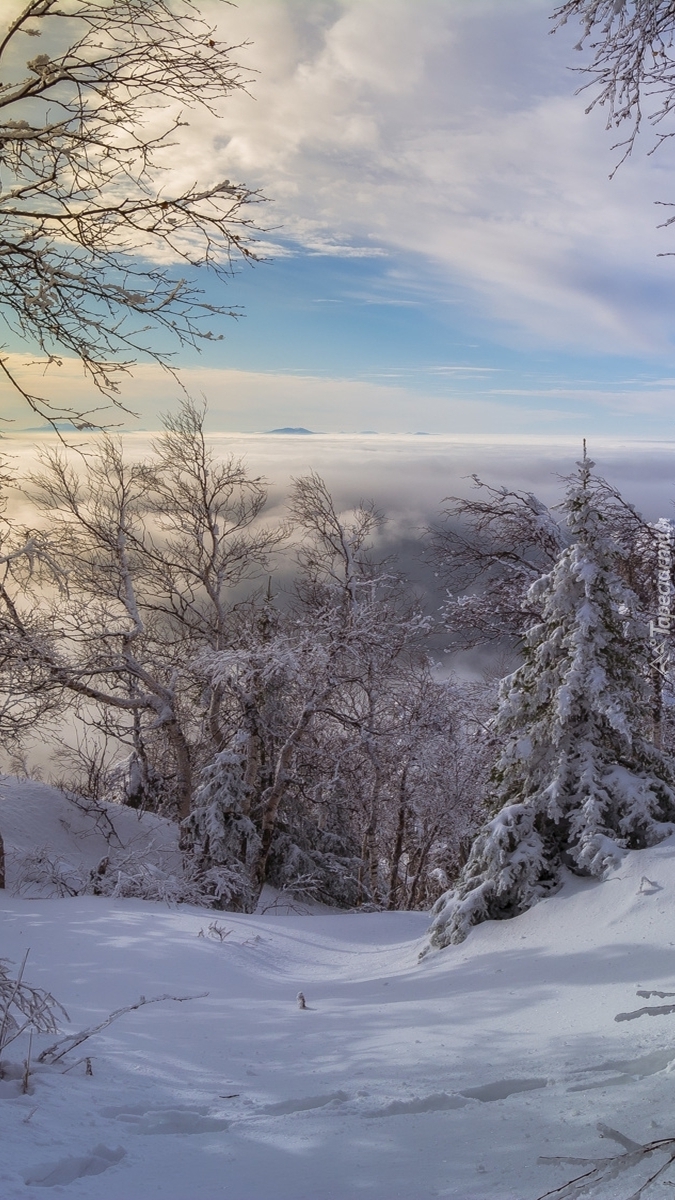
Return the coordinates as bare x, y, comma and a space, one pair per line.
400, 1081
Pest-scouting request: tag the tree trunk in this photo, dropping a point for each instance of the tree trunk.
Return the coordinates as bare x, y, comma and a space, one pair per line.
183, 768
370, 836
253, 748
398, 844
216, 734
2, 862
424, 854
274, 795
657, 707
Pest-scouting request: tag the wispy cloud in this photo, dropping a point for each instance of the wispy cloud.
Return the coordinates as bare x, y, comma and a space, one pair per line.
391, 400
449, 131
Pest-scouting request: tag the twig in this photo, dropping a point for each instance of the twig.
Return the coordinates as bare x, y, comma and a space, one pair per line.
607, 1132
661, 1010
37, 1007
56, 1052
77, 1062
26, 1071
13, 992
602, 1170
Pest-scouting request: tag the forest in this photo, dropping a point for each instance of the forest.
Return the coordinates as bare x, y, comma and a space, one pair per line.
267, 685
274, 688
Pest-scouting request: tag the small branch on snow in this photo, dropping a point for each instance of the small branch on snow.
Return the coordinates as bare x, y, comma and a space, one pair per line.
602, 1170
54, 1053
615, 1136
88, 1067
661, 1010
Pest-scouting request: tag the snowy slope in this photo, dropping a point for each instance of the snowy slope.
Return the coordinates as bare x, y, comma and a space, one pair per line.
74, 834
402, 1080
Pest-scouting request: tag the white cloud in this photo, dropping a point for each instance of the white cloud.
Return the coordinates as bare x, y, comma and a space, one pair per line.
449, 131
409, 476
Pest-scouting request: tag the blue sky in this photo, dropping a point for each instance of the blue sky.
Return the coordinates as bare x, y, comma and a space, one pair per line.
370, 320
447, 251
446, 225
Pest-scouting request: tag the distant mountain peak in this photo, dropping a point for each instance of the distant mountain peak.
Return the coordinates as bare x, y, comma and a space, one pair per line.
290, 429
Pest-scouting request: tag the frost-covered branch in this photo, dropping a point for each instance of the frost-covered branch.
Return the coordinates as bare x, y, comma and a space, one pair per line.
24, 1007
90, 213
631, 70
602, 1171
55, 1052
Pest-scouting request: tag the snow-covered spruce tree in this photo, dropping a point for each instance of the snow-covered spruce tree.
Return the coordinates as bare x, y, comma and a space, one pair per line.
577, 781
222, 835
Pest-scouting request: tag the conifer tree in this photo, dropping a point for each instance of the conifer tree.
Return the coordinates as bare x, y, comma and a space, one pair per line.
221, 834
577, 781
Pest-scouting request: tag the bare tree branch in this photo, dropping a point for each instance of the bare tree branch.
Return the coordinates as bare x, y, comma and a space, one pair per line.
57, 1050
89, 215
632, 63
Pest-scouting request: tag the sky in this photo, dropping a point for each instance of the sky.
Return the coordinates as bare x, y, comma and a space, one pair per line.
455, 257
446, 250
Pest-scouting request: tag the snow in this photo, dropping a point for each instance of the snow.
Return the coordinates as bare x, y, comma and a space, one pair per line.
401, 1079
76, 834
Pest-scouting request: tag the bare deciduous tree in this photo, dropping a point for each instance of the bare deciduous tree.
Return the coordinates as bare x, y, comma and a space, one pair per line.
90, 218
100, 646
304, 744
344, 769
495, 543
148, 555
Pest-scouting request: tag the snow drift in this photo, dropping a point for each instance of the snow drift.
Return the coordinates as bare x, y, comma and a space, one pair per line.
399, 1081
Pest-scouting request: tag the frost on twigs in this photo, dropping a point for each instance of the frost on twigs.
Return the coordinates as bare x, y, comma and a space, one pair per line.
599, 1172
63, 1046
24, 1008
94, 221
216, 931
123, 874
630, 68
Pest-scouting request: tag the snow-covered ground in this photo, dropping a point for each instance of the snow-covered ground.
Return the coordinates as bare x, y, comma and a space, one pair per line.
401, 1079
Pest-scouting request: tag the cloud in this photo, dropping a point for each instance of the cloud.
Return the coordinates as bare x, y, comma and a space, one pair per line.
409, 477
259, 400
651, 399
450, 132
444, 398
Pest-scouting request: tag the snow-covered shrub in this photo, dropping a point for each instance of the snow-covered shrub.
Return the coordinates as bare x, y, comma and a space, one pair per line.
41, 872
577, 781
136, 878
129, 875
23, 1007
315, 864
222, 837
